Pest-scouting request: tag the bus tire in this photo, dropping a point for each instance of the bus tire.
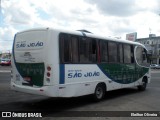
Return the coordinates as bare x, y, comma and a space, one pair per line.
144, 84
99, 92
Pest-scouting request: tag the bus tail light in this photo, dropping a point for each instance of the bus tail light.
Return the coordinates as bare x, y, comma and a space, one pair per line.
48, 74
48, 68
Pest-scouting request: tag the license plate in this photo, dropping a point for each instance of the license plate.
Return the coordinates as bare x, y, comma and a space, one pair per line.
28, 79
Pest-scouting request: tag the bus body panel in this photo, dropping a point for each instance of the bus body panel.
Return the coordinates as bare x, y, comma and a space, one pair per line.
34, 51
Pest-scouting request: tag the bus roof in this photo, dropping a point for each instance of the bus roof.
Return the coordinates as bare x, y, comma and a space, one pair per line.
86, 34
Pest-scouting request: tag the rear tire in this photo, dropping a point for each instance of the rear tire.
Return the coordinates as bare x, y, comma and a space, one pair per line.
99, 93
143, 86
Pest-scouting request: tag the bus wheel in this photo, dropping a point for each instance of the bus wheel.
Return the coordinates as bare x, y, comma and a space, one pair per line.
99, 92
144, 85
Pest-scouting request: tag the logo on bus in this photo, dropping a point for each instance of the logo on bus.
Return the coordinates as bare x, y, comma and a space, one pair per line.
34, 44
76, 74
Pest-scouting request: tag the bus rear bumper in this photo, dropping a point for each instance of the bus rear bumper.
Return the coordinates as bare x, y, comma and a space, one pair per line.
50, 91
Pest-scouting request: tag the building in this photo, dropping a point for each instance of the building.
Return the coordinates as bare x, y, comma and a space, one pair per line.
152, 43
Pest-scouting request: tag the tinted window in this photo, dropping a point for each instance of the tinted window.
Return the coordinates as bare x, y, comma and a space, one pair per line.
87, 50
69, 48
112, 51
132, 54
127, 53
120, 53
75, 49
104, 51
65, 48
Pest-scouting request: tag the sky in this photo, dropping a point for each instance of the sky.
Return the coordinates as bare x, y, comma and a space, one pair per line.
110, 18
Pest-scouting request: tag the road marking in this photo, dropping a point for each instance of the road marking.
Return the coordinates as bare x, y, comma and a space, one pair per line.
155, 71
5, 71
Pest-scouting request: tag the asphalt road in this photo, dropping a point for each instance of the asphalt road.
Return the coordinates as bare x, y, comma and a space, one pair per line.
129, 99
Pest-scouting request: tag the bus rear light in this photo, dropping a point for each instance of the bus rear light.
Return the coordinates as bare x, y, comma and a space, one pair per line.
49, 68
48, 74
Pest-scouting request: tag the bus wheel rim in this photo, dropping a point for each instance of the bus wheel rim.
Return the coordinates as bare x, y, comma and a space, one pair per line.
99, 92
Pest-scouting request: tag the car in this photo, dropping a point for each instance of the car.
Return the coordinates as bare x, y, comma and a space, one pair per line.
155, 66
5, 62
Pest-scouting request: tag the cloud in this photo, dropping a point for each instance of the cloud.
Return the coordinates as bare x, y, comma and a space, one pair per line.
18, 12
115, 7
5, 31
104, 17
125, 8
6, 39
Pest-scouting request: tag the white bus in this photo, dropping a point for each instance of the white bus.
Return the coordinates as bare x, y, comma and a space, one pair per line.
62, 63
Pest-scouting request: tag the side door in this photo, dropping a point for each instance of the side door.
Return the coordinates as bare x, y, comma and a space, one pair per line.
129, 66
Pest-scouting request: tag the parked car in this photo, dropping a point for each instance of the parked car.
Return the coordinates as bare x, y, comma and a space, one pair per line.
6, 62
154, 66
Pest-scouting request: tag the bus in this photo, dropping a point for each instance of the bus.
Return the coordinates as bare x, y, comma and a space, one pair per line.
63, 63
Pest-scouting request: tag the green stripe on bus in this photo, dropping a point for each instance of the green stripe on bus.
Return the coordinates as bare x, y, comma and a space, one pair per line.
123, 73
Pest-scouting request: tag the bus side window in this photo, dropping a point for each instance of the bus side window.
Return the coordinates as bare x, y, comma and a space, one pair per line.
84, 50
74, 49
132, 54
87, 50
127, 53
93, 52
65, 51
112, 51
120, 53
104, 51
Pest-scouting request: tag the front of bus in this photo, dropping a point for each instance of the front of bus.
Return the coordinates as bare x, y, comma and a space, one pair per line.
29, 68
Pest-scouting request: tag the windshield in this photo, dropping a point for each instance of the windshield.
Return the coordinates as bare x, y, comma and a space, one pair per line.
142, 57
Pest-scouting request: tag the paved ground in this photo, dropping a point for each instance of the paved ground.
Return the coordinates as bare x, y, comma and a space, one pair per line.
119, 100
